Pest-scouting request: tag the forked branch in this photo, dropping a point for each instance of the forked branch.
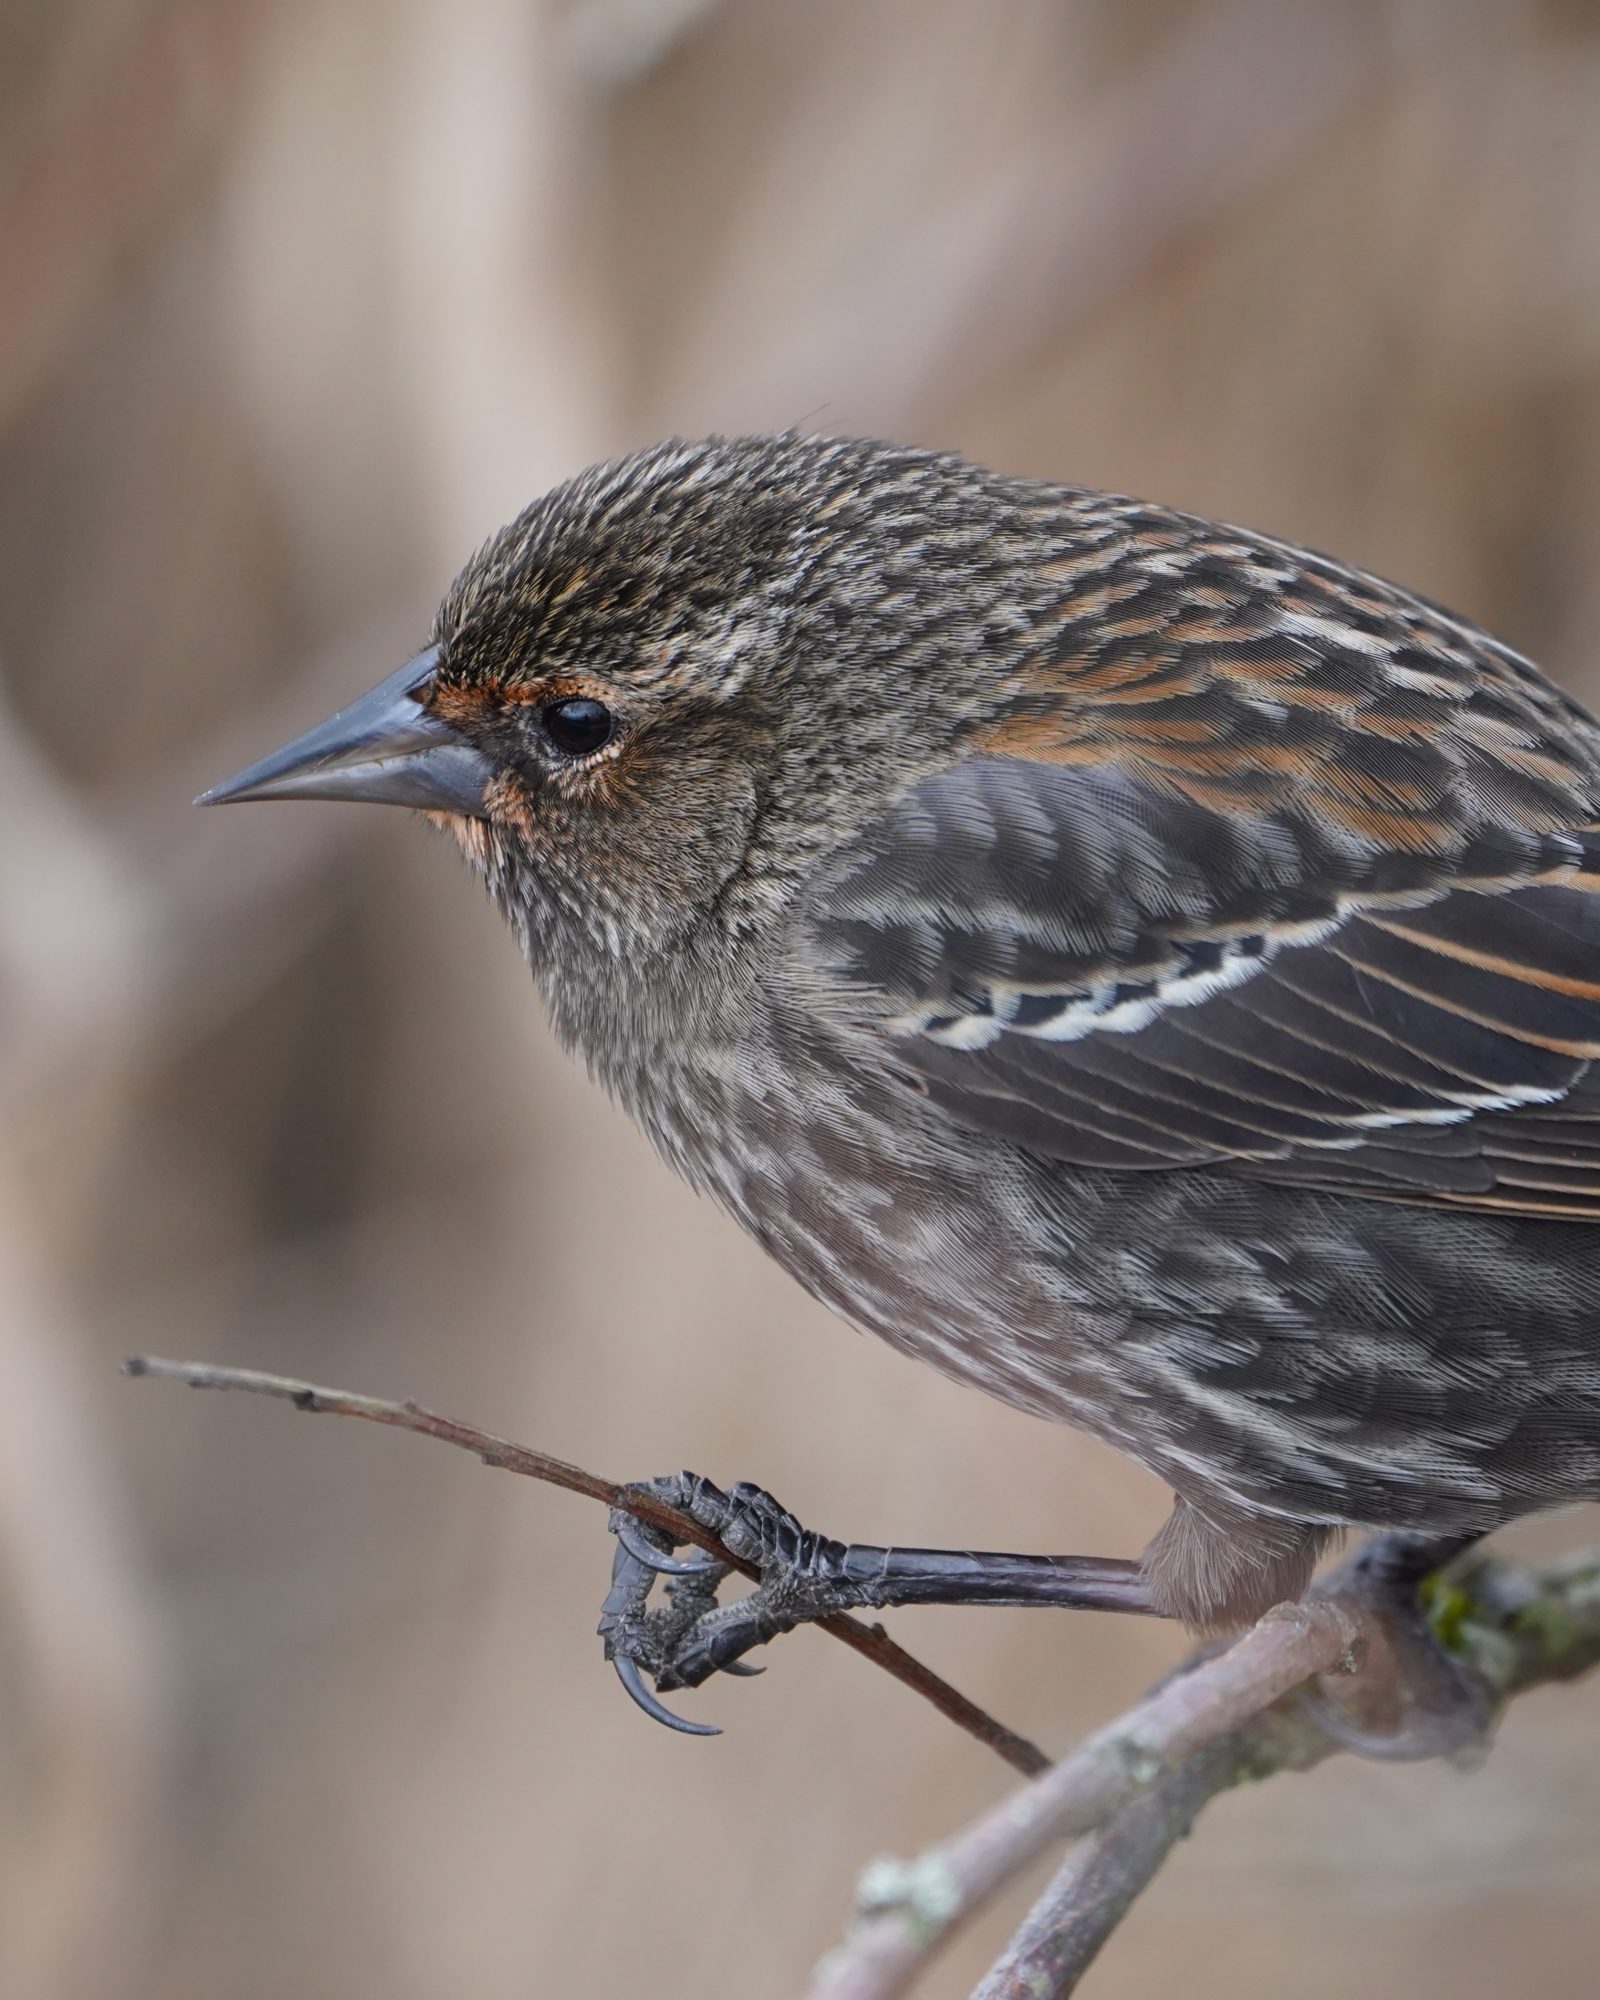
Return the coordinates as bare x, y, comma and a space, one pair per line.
1131, 1791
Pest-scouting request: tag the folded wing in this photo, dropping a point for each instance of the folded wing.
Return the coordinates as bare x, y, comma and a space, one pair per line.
1112, 971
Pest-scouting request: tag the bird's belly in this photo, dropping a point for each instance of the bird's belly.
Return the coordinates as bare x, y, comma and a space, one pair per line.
1330, 1358
944, 1253
940, 1277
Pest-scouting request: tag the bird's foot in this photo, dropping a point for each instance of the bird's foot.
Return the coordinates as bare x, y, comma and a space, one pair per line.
690, 1637
801, 1576
1418, 1700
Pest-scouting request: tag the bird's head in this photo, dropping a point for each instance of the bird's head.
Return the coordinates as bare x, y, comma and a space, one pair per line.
655, 701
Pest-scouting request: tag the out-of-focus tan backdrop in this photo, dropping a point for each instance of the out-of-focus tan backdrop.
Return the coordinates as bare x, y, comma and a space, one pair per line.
296, 304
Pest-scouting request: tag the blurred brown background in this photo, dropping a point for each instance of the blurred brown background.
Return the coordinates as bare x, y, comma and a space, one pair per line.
298, 302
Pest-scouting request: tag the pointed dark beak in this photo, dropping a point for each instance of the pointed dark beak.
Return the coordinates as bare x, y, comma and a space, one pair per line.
384, 749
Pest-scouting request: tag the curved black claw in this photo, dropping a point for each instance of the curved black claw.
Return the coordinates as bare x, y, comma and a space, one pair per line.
631, 1678
684, 1636
630, 1532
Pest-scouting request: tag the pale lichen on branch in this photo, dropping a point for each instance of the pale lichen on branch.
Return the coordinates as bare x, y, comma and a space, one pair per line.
1132, 1790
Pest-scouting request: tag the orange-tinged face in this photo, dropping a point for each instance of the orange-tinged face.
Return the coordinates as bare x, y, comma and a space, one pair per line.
655, 702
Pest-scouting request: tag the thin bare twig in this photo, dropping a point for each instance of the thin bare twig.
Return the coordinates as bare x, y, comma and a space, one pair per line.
871, 1641
1140, 1781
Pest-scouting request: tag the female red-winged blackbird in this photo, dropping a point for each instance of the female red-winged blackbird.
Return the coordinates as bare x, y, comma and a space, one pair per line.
1148, 970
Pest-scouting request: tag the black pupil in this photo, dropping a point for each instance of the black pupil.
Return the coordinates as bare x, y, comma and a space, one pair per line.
578, 725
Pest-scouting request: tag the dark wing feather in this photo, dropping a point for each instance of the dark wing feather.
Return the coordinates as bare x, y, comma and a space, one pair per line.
1253, 861
1122, 977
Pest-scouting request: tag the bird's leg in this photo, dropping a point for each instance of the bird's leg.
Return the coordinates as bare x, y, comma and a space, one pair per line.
802, 1576
1438, 1706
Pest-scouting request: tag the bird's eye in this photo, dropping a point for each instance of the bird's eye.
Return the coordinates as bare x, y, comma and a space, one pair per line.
578, 725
